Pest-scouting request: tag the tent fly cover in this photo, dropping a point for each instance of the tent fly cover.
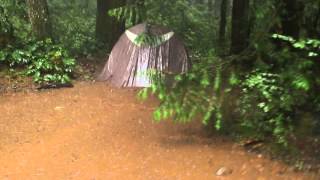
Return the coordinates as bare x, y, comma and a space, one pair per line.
132, 61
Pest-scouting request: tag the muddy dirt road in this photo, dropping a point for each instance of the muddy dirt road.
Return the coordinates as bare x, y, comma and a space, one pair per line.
93, 131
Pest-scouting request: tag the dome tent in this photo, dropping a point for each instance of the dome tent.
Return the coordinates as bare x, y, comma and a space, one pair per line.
143, 49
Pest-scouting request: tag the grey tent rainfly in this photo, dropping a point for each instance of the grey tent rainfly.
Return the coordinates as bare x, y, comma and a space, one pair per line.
141, 50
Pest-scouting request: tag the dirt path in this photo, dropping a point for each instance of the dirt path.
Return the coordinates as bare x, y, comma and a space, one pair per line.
93, 131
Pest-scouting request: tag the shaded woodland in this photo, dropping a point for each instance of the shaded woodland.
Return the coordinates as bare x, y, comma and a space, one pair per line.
255, 64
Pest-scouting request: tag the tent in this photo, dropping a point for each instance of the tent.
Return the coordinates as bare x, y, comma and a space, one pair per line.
133, 58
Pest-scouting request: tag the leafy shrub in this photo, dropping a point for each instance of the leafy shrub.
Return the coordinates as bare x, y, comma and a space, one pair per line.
46, 62
192, 94
74, 25
13, 19
14, 57
4, 22
51, 65
265, 105
311, 46
273, 98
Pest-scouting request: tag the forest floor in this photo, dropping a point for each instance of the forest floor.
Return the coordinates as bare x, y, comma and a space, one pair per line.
94, 131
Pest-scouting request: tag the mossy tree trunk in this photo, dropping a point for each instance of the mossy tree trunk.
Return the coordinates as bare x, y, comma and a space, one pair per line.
38, 12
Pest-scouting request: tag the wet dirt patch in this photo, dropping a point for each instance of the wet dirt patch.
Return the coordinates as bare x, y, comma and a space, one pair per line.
94, 131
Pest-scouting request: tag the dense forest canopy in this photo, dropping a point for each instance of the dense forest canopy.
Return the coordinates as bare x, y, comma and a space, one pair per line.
255, 63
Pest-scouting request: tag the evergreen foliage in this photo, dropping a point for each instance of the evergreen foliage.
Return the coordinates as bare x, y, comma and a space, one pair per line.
274, 78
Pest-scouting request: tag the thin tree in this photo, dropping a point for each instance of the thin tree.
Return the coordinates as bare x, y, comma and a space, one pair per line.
223, 22
38, 12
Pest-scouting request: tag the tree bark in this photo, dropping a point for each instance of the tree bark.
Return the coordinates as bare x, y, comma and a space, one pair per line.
210, 6
223, 22
290, 18
38, 12
108, 29
240, 26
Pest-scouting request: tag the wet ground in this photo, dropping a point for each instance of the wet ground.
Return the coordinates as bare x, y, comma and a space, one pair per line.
93, 131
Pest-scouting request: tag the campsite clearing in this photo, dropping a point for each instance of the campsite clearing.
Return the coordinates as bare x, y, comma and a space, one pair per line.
93, 131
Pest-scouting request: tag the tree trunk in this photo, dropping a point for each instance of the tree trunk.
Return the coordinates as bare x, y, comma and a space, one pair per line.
240, 26
210, 6
39, 18
223, 22
108, 29
290, 18
216, 7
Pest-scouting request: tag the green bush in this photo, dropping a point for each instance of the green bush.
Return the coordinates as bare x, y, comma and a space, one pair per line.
194, 93
265, 105
271, 101
13, 20
51, 64
74, 25
282, 90
4, 22
46, 62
